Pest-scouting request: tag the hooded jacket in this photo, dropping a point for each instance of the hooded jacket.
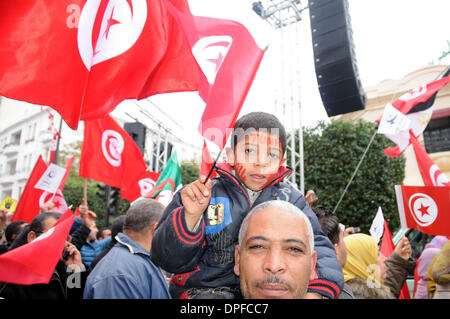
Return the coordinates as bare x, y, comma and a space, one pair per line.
205, 258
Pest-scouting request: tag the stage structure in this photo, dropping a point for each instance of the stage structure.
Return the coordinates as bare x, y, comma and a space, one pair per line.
284, 16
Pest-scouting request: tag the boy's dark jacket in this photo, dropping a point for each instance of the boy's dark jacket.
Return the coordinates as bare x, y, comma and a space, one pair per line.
205, 258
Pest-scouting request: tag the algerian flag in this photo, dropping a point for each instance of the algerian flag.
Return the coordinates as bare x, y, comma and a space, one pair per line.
168, 183
377, 228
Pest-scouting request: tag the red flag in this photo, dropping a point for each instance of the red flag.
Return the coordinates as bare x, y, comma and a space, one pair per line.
28, 205
426, 208
431, 174
207, 162
68, 167
34, 263
412, 111
140, 187
386, 248
83, 58
228, 58
109, 154
387, 245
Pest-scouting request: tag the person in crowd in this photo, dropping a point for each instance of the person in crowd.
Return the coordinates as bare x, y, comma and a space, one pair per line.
57, 287
197, 234
275, 257
423, 265
116, 228
103, 233
126, 271
368, 273
334, 230
93, 247
11, 231
439, 274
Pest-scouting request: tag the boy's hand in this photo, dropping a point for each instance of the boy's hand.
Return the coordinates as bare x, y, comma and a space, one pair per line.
195, 197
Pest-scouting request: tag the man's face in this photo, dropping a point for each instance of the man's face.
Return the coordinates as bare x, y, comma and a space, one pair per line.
275, 260
257, 158
48, 223
341, 249
106, 233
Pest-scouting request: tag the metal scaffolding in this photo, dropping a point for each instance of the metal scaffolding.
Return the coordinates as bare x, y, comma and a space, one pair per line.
285, 15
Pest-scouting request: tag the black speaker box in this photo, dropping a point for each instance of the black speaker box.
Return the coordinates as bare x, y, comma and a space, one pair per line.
334, 57
137, 132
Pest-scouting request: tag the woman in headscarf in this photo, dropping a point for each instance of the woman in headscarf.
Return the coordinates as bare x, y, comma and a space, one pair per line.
440, 273
366, 269
423, 265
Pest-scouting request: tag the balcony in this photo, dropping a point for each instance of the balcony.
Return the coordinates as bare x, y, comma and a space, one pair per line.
45, 136
11, 149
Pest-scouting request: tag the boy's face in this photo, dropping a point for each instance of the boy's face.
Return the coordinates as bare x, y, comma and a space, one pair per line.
256, 159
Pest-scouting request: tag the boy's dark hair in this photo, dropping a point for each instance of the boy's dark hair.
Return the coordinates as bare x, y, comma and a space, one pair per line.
329, 223
258, 121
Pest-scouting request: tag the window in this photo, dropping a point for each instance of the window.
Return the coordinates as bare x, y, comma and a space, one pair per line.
11, 167
437, 135
15, 138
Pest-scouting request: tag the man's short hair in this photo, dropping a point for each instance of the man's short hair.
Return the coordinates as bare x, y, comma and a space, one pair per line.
13, 229
143, 214
328, 222
285, 206
258, 121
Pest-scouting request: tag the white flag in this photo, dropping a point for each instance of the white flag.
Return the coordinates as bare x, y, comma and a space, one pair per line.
393, 121
51, 179
377, 228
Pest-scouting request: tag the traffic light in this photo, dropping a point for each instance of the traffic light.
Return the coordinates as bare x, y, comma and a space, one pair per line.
113, 198
102, 191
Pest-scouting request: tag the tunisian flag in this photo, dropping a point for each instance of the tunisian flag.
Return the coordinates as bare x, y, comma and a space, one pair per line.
431, 174
141, 186
410, 112
109, 154
83, 57
228, 59
34, 263
426, 208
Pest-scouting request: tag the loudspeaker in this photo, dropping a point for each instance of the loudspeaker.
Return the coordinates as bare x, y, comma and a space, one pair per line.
137, 132
334, 57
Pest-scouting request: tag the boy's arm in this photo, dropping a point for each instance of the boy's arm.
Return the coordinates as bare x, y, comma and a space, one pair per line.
329, 279
175, 248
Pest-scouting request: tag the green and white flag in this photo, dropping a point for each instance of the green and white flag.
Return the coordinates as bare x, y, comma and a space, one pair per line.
168, 183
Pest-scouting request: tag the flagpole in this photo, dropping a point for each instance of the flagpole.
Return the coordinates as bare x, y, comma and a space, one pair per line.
85, 191
356, 170
57, 141
212, 167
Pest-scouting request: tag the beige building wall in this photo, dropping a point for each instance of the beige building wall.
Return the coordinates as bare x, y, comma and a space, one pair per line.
388, 91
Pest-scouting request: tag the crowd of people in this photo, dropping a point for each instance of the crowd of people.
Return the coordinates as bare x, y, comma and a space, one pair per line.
244, 234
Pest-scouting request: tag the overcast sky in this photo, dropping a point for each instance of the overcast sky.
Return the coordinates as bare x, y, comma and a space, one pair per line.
391, 37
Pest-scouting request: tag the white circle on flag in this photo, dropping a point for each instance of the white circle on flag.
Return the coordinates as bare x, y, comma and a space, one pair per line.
423, 209
58, 200
146, 185
112, 147
121, 25
210, 53
437, 177
44, 235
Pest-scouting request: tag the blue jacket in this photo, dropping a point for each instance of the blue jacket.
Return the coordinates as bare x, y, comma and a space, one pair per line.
126, 272
205, 258
92, 249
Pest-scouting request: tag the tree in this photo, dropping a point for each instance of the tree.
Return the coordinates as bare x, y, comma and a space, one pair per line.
331, 154
190, 171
